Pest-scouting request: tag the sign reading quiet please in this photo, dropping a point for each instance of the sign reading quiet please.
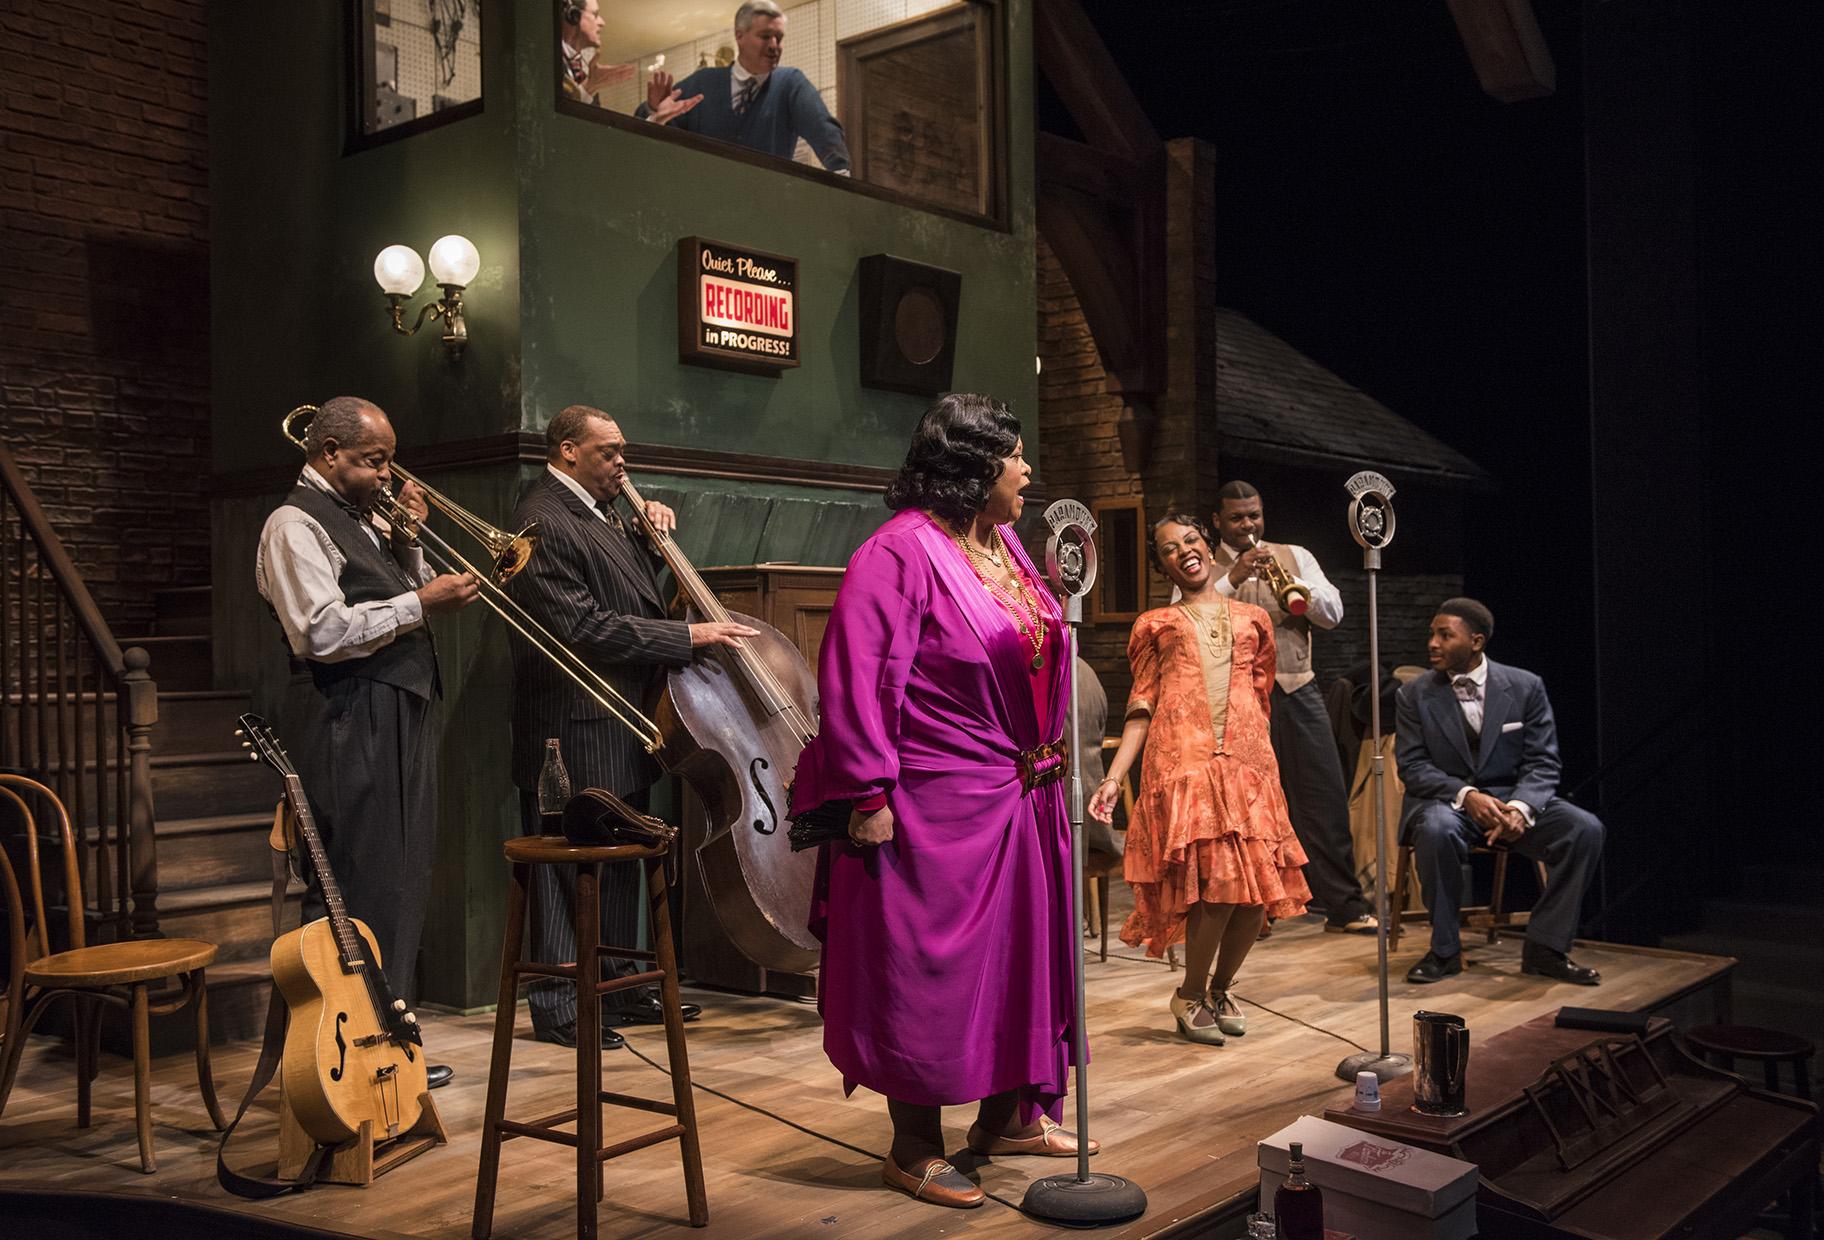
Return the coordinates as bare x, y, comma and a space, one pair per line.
737, 307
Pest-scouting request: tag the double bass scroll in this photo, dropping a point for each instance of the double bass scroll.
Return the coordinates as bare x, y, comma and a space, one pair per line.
733, 724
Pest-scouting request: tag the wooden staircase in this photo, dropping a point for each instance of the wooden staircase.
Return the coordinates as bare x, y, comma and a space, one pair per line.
214, 812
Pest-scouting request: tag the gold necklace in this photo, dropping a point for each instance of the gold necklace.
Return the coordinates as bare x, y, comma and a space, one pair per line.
1024, 607
1216, 619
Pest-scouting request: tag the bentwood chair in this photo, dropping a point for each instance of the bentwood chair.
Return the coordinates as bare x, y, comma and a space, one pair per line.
1096, 870
122, 974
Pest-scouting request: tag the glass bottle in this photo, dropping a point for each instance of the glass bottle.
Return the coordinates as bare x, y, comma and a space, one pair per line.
1298, 1206
553, 790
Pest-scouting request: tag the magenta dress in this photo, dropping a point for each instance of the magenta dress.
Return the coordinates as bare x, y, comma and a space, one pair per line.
946, 962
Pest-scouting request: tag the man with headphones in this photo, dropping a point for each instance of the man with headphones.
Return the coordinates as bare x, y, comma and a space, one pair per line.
583, 76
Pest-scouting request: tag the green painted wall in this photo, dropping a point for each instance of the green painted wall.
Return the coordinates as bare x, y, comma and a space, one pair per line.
578, 225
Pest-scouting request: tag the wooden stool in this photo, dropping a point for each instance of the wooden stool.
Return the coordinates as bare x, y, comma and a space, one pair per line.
591, 1154
1725, 1044
1492, 916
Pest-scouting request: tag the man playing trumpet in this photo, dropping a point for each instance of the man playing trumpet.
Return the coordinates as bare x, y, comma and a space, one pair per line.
1286, 581
357, 715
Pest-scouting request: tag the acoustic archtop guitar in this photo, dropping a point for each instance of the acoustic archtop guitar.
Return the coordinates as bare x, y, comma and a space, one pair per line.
352, 1051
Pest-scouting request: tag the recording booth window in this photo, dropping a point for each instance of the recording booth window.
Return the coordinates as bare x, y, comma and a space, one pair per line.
903, 99
1120, 591
417, 65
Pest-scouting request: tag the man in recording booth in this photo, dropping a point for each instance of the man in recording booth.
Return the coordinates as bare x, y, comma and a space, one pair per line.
593, 583
1309, 771
358, 715
755, 102
1478, 753
584, 73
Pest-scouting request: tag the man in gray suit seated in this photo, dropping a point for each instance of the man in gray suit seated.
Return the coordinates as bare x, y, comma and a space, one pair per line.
1478, 753
755, 102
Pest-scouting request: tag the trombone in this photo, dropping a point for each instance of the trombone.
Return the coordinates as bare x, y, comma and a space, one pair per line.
510, 553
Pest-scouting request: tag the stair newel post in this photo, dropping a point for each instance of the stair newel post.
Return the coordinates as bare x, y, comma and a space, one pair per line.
140, 694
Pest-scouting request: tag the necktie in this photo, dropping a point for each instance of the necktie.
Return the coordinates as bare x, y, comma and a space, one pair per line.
1469, 695
609, 515
749, 89
578, 71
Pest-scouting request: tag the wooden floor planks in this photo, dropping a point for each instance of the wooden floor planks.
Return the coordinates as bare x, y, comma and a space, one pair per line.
1182, 1120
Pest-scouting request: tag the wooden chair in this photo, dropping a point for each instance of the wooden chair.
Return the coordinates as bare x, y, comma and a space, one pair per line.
119, 973
1096, 879
1492, 917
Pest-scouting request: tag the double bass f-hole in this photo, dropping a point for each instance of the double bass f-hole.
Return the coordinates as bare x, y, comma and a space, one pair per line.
335, 1073
769, 824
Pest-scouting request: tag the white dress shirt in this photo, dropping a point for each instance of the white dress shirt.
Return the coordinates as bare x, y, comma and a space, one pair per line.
738, 79
1325, 610
577, 489
298, 571
1472, 719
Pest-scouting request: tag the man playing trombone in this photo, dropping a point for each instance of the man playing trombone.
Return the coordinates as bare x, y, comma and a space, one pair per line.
357, 717
594, 585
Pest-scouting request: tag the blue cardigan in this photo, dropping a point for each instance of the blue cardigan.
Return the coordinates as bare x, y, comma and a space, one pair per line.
787, 108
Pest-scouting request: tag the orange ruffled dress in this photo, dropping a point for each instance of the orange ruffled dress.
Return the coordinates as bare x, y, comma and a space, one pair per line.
1210, 819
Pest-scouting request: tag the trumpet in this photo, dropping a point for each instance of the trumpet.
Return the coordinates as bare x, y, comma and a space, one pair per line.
1293, 598
510, 553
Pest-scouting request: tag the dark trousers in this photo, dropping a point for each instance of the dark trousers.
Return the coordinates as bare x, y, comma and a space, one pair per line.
552, 1000
366, 752
1317, 799
1567, 839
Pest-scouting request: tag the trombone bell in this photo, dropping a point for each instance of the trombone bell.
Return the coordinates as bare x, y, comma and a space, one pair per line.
515, 553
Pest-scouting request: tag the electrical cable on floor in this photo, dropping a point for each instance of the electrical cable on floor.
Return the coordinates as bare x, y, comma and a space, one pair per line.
1329, 1033
793, 1124
856, 1149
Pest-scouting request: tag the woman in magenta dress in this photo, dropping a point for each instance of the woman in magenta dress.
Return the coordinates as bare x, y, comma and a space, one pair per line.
1210, 850
946, 916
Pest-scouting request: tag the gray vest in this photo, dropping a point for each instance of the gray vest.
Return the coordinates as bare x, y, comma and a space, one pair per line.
369, 574
1291, 634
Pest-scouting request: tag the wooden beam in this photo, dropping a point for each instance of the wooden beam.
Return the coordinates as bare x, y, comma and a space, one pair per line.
1504, 43
1103, 217
1072, 56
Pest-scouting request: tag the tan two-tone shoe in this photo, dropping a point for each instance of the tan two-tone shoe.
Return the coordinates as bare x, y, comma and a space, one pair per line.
1052, 1140
1229, 1016
939, 1183
1185, 1012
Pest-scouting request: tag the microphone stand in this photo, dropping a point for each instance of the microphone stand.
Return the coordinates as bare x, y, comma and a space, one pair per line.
1385, 1065
1083, 1199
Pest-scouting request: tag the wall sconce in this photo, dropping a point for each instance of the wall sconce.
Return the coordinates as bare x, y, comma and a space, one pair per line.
399, 272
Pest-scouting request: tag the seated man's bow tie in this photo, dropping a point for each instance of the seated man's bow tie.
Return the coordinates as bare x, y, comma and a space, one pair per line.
1467, 689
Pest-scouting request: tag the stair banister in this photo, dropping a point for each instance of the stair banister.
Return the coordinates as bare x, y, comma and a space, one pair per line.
61, 670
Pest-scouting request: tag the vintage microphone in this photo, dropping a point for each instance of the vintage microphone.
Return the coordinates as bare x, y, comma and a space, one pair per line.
1371, 522
1082, 1199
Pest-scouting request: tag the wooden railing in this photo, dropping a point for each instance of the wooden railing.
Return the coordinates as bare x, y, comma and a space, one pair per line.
76, 712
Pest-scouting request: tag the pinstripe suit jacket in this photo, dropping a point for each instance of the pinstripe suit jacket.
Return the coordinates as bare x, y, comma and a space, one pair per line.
598, 593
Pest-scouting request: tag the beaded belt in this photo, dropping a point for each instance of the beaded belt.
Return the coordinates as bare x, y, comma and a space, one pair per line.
1045, 765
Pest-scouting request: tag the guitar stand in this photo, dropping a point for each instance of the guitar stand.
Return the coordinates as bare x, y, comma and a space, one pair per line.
358, 1161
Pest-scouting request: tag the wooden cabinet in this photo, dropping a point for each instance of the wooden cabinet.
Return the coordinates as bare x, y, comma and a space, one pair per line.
795, 599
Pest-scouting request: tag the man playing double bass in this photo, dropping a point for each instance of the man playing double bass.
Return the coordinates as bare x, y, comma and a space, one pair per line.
594, 584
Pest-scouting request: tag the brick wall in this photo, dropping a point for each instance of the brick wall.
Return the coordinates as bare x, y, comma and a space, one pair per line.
1081, 453
104, 321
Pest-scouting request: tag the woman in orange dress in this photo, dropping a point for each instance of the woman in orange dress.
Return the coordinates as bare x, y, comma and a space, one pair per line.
1210, 850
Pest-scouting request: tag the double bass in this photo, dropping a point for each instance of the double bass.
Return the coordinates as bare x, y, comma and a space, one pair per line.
733, 723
